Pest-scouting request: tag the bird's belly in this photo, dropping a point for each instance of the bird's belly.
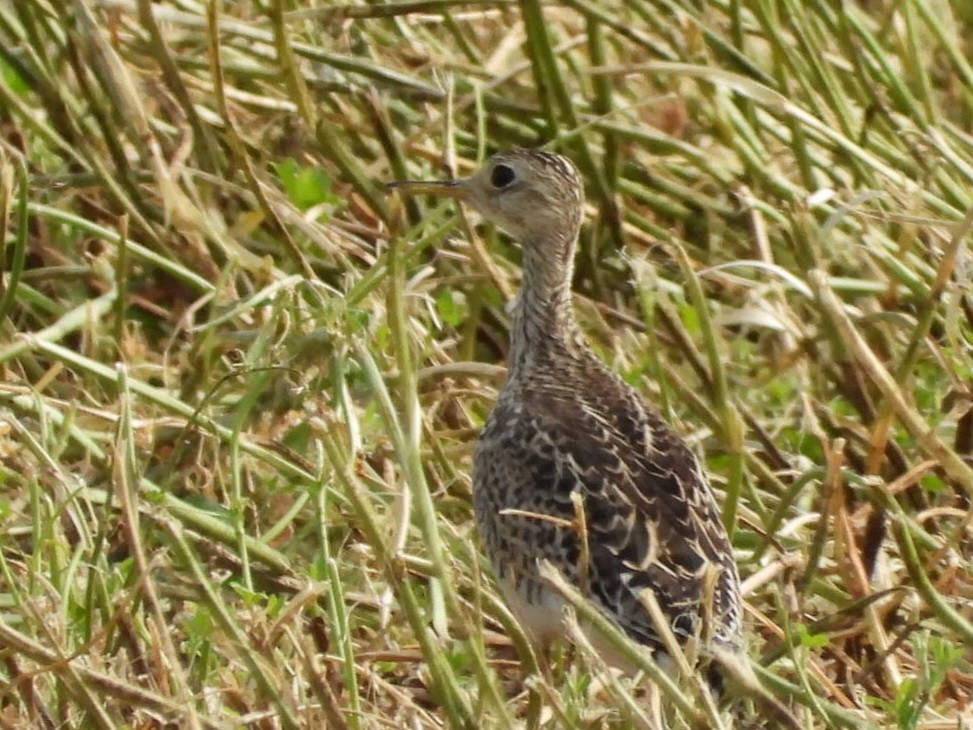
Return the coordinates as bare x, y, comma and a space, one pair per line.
541, 616
538, 610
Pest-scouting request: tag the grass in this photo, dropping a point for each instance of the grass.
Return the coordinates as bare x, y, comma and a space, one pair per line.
241, 384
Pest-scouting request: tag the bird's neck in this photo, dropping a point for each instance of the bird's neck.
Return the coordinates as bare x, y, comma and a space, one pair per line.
543, 316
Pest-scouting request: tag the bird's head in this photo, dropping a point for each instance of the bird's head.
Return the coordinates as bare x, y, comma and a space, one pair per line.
537, 197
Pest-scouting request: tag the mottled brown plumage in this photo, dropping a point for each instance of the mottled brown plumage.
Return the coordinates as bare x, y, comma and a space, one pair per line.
563, 424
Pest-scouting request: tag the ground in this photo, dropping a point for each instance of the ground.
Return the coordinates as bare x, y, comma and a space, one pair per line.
241, 384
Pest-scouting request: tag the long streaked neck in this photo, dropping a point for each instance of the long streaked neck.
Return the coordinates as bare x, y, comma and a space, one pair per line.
543, 317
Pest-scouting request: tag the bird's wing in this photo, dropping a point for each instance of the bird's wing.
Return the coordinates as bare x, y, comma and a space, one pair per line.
650, 517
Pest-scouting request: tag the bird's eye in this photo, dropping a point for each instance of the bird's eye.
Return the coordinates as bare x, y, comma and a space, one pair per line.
502, 176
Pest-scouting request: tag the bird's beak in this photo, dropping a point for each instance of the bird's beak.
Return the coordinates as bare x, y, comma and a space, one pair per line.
458, 189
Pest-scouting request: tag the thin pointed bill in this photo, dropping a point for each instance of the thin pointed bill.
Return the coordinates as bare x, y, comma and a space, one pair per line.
444, 188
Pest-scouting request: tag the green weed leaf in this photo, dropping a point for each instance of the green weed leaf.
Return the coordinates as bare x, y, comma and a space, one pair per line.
305, 186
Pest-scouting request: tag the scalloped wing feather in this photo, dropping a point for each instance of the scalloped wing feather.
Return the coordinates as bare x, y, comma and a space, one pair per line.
651, 518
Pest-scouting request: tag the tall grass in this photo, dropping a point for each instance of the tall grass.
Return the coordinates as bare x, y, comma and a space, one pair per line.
241, 385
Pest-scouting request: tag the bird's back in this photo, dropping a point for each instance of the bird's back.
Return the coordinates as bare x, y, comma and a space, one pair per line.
567, 424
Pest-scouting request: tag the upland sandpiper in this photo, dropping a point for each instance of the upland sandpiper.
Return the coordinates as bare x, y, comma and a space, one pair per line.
566, 431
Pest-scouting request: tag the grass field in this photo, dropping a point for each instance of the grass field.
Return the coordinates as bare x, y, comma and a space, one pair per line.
241, 384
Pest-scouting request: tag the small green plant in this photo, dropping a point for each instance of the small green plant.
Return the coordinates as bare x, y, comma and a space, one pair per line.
305, 186
935, 657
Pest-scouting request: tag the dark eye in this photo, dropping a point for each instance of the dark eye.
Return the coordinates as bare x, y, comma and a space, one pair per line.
502, 176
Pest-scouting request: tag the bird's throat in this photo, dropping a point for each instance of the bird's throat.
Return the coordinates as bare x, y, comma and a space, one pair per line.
543, 316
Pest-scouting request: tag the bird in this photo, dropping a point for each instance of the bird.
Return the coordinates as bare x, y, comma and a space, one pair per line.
567, 432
